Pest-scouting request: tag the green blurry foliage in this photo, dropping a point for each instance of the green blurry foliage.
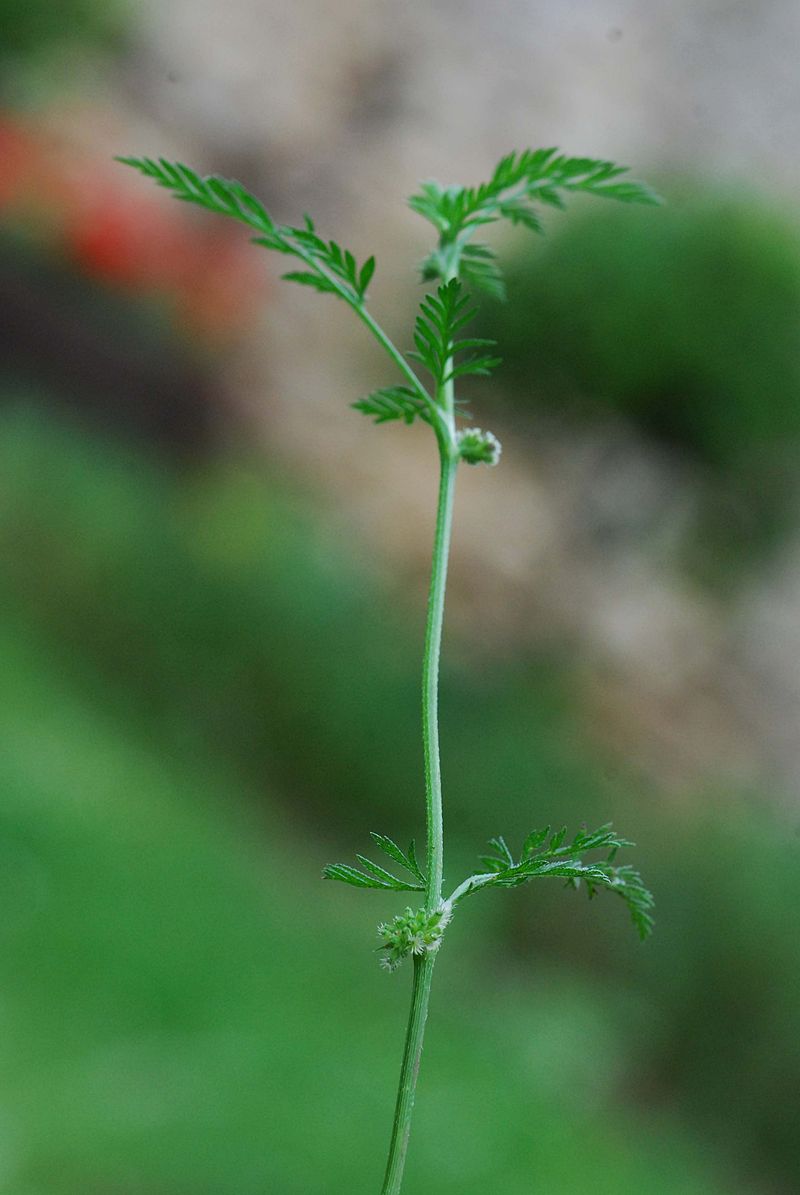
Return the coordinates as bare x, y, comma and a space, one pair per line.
163, 992
222, 610
685, 321
199, 682
30, 27
713, 1020
726, 978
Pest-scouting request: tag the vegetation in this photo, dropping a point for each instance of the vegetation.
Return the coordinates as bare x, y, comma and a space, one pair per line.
32, 27
167, 641
520, 185
682, 322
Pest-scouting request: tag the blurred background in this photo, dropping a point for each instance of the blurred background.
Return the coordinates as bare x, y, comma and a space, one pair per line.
213, 583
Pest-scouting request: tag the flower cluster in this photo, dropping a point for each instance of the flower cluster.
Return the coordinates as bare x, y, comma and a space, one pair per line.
414, 933
476, 446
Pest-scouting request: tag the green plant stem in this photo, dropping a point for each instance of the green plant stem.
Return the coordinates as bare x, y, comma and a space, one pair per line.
412, 1053
430, 677
444, 427
437, 416
423, 964
398, 358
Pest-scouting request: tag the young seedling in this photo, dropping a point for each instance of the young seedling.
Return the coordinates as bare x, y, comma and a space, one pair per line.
521, 185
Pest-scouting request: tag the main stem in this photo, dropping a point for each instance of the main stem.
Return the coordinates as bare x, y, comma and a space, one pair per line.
430, 674
423, 964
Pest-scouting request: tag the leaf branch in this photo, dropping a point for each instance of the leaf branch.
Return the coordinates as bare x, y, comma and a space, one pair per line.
549, 854
441, 317
331, 269
520, 182
375, 876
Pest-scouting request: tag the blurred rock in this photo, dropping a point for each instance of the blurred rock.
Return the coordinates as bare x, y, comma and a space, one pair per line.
574, 542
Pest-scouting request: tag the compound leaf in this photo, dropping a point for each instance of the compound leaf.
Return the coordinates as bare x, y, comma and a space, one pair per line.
220, 195
441, 316
408, 861
334, 268
550, 854
375, 876
351, 875
393, 402
316, 281
519, 183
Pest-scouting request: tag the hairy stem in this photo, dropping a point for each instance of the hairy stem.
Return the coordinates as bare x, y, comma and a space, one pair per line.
444, 427
399, 360
430, 677
420, 996
423, 964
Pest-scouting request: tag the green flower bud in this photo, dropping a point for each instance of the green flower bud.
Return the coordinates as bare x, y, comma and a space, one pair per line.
476, 446
413, 933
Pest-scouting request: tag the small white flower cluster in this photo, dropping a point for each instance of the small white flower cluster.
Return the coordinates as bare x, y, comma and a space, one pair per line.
476, 446
414, 933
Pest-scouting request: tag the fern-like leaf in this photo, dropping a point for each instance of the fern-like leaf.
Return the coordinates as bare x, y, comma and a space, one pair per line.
547, 853
408, 860
519, 179
480, 270
351, 875
520, 183
375, 876
442, 316
333, 269
315, 281
393, 402
215, 194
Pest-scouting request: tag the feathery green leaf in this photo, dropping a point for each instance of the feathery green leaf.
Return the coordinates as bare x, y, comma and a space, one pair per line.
519, 183
351, 875
219, 195
441, 316
408, 861
518, 180
393, 402
550, 854
380, 873
361, 879
334, 269
316, 281
480, 270
375, 876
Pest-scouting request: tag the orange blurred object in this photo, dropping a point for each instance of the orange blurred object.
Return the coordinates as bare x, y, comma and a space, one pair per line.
124, 235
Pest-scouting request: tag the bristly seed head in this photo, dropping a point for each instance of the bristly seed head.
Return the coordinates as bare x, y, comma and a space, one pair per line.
476, 446
413, 933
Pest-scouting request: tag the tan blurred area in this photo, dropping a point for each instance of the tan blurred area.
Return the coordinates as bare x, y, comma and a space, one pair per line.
340, 110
